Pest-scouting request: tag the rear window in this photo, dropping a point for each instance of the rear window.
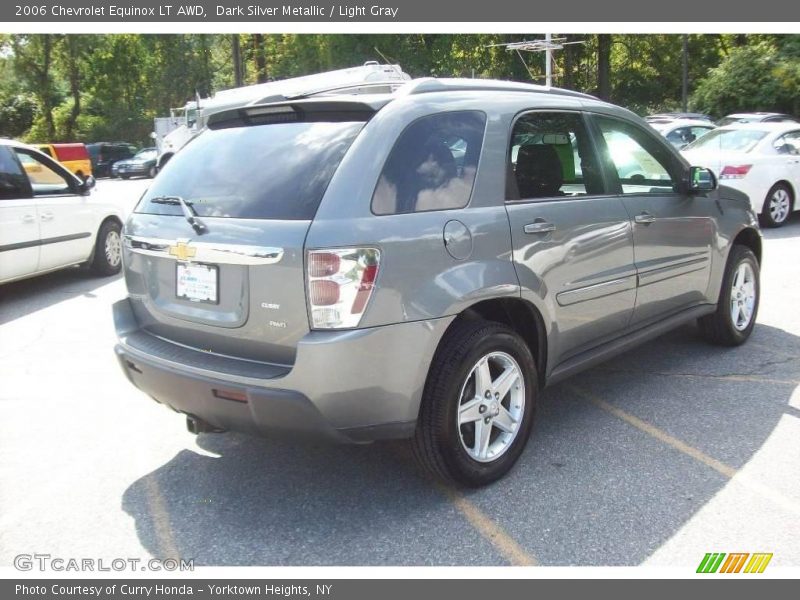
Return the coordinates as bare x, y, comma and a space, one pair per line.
733, 140
275, 171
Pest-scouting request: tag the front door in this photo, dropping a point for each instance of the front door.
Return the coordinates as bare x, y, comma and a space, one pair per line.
572, 242
672, 231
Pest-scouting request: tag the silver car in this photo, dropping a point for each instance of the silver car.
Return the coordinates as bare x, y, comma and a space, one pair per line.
421, 264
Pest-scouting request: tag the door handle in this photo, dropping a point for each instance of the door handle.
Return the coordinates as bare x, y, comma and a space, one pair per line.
47, 216
539, 227
644, 218
28, 219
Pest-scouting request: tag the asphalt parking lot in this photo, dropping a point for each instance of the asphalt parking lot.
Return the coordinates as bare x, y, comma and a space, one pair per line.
665, 453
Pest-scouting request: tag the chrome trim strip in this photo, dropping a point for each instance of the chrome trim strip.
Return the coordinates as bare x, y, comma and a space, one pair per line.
597, 290
206, 252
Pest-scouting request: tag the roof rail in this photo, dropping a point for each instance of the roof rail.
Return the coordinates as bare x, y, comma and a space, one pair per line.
427, 85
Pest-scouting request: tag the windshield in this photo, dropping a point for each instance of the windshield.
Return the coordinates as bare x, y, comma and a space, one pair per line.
731, 140
730, 120
276, 171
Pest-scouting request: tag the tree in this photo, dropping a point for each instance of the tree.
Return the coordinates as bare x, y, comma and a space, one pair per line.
604, 66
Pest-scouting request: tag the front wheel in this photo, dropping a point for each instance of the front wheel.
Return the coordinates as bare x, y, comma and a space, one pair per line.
735, 317
152, 172
108, 250
777, 206
478, 404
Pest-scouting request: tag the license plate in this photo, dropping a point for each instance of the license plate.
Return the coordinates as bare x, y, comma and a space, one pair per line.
198, 283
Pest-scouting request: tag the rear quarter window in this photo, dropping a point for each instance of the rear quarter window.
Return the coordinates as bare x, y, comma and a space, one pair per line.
432, 165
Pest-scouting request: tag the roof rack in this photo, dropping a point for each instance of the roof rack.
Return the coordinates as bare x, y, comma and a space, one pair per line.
430, 84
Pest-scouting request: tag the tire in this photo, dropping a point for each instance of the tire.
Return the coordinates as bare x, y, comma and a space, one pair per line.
444, 446
152, 172
777, 205
108, 250
125, 176
719, 327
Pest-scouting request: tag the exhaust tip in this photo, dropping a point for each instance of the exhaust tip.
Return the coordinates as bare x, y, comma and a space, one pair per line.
197, 425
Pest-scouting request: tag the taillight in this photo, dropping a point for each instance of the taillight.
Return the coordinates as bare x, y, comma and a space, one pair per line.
734, 171
340, 284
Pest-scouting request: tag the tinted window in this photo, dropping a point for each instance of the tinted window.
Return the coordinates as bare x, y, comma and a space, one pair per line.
433, 164
13, 182
276, 171
550, 156
641, 164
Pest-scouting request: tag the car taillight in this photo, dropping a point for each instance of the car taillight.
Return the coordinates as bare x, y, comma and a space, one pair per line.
734, 171
340, 284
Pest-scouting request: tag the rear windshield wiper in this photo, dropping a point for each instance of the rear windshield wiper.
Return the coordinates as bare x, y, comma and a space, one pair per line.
188, 211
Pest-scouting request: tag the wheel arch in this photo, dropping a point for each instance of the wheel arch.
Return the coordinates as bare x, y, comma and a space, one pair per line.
749, 238
523, 317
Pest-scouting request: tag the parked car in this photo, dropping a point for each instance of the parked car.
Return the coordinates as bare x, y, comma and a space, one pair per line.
674, 116
420, 264
760, 159
757, 117
681, 132
105, 154
49, 219
74, 157
143, 164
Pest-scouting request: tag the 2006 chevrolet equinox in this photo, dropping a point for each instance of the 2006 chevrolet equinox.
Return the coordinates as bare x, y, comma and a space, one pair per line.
420, 264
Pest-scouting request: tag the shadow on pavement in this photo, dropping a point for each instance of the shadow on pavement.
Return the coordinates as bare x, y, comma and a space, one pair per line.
590, 488
27, 296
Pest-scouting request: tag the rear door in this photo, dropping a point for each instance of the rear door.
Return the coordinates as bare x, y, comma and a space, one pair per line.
235, 283
672, 231
571, 241
788, 147
19, 222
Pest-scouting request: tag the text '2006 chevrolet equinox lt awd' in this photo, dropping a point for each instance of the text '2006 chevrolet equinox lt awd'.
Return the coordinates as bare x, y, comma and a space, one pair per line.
420, 264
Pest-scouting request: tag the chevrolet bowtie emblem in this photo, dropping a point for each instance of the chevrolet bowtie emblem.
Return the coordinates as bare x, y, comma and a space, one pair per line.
182, 251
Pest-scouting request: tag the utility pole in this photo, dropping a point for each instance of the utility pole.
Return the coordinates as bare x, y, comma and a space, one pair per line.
547, 45
685, 88
548, 59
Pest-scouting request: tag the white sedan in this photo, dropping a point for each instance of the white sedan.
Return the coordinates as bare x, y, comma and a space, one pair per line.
49, 220
760, 159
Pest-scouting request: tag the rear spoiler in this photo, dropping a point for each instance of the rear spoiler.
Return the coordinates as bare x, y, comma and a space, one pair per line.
291, 112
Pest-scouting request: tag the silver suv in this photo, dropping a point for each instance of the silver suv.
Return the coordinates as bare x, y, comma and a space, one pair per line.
420, 264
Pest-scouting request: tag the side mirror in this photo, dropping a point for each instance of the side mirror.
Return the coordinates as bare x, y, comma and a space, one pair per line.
153, 135
87, 185
702, 180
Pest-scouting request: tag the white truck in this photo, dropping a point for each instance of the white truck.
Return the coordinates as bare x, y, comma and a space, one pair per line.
194, 116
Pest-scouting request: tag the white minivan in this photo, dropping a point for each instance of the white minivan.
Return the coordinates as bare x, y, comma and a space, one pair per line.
49, 220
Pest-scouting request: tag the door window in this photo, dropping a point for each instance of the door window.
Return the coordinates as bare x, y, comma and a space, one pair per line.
43, 178
13, 183
788, 144
551, 156
638, 161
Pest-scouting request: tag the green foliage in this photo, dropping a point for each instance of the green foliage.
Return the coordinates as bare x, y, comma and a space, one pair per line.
763, 76
110, 86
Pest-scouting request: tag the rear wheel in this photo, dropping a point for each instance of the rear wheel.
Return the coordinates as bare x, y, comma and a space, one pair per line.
735, 317
777, 205
108, 249
478, 404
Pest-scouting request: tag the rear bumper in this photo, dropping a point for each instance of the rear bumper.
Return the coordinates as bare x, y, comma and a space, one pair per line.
348, 386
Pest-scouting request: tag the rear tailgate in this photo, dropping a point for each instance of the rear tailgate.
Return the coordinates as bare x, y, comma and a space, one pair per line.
233, 283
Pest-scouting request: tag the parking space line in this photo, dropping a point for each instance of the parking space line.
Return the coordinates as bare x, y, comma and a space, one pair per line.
700, 456
160, 515
737, 378
515, 554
